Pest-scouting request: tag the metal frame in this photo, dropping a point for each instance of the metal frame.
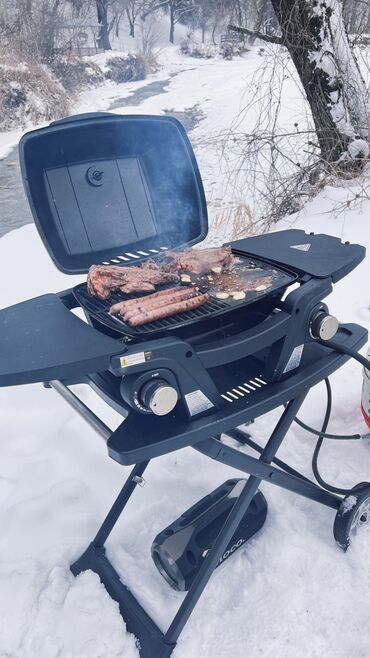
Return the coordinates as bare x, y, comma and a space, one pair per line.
152, 642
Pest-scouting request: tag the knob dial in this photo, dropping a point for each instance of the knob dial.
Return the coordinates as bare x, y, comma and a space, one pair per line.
324, 326
158, 396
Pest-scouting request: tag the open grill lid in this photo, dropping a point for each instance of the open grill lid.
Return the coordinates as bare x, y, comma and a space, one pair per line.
102, 185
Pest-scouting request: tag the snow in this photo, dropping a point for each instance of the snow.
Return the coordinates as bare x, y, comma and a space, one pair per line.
348, 504
359, 148
8, 141
290, 592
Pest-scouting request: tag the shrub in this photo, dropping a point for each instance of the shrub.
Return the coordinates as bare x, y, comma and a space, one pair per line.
198, 50
29, 94
126, 68
75, 73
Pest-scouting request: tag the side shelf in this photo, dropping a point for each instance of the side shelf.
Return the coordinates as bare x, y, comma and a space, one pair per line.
320, 256
41, 340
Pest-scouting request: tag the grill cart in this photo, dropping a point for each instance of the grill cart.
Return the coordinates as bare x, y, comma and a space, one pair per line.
119, 190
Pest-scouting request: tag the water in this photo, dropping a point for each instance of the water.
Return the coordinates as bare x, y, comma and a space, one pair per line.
14, 206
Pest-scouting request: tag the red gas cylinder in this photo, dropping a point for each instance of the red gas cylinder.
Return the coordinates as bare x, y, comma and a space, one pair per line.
365, 400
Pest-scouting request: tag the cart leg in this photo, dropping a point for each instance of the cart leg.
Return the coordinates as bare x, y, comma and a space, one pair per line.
85, 561
119, 504
229, 528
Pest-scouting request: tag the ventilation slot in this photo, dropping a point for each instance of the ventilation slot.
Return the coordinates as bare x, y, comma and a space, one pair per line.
129, 256
243, 389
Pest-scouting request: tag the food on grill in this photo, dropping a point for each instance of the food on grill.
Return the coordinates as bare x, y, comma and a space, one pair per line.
198, 261
236, 284
129, 303
132, 307
152, 314
103, 279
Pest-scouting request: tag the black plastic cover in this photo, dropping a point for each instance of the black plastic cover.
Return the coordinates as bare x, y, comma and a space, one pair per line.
320, 256
102, 185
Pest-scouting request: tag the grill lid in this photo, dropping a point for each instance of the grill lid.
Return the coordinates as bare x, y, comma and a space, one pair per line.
102, 185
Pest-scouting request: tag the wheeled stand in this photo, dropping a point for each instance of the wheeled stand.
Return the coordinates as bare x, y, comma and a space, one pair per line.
151, 641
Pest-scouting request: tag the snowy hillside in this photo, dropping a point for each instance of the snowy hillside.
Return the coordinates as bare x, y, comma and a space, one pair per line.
291, 592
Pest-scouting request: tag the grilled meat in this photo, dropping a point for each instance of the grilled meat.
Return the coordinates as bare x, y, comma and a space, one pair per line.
103, 279
120, 307
200, 260
151, 315
142, 304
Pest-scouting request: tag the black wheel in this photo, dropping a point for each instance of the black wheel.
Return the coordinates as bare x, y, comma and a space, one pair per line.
353, 514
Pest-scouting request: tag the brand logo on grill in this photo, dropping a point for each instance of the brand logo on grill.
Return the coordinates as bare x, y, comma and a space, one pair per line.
231, 550
301, 247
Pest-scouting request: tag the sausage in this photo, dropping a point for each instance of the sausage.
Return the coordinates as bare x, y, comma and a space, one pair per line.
121, 307
158, 303
166, 311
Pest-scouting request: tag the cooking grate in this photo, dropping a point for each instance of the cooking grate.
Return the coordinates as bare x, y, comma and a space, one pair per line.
99, 309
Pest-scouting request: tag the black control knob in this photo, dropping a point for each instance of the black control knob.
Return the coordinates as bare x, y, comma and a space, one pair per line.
159, 396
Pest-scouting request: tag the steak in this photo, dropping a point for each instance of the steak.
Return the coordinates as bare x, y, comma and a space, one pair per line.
200, 260
103, 279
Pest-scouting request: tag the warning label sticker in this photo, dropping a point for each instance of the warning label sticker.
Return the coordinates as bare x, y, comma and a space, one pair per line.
295, 358
134, 359
197, 402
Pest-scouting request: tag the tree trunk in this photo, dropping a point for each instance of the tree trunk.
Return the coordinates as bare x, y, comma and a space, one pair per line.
103, 36
316, 38
172, 23
131, 23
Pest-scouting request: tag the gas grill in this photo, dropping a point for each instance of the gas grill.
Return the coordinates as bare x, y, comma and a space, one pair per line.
120, 189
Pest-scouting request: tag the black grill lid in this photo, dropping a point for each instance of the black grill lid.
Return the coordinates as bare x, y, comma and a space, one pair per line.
102, 185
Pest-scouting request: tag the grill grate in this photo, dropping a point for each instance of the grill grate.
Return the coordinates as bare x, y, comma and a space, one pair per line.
99, 309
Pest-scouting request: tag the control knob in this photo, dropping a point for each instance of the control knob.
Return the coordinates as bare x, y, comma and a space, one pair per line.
159, 396
324, 326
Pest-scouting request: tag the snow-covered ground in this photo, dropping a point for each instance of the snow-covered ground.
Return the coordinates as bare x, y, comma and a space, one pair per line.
291, 592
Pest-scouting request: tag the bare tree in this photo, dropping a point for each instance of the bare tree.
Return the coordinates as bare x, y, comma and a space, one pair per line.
103, 35
315, 35
133, 8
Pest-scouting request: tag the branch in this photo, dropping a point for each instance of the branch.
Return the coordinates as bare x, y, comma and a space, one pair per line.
153, 8
258, 35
